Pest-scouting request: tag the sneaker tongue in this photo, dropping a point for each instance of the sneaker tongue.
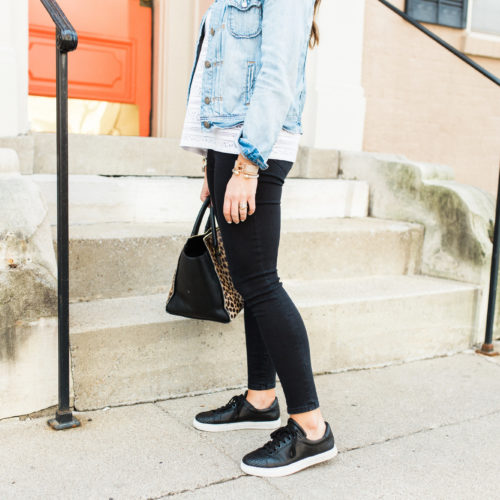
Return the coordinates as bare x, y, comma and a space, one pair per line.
295, 424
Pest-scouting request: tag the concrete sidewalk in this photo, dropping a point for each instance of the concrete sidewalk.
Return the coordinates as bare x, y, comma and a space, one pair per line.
424, 429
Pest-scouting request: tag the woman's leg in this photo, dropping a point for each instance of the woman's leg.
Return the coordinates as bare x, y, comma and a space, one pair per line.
261, 373
260, 368
252, 250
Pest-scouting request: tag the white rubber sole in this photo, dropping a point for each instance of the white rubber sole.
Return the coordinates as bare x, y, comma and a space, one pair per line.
286, 470
271, 424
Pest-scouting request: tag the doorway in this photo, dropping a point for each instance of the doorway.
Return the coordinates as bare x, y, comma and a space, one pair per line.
109, 73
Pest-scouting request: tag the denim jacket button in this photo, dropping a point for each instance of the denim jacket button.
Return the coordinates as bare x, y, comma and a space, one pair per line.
207, 100
212, 31
207, 124
207, 64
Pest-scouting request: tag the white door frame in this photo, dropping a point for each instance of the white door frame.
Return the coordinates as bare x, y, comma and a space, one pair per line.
14, 67
334, 113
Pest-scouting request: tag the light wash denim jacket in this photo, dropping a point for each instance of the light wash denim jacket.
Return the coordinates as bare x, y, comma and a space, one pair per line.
254, 71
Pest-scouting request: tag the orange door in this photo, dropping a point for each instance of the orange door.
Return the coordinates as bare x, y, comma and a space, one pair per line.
113, 59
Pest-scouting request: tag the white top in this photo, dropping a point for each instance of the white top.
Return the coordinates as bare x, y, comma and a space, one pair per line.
198, 139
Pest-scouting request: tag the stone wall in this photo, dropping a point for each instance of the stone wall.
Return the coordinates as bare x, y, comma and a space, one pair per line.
28, 295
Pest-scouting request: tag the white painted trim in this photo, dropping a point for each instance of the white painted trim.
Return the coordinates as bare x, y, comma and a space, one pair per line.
14, 67
173, 56
334, 112
477, 34
484, 36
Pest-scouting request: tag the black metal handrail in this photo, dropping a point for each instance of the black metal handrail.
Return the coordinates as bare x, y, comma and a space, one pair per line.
442, 42
66, 36
66, 41
487, 347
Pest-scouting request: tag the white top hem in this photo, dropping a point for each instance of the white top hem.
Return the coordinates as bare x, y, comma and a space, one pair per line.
198, 139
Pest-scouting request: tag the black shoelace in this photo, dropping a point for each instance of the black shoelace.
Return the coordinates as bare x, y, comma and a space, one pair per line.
234, 402
281, 436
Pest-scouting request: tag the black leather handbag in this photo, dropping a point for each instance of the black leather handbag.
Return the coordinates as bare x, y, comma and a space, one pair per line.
202, 287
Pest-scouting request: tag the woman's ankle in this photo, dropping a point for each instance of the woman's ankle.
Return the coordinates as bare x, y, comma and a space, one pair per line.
261, 399
312, 422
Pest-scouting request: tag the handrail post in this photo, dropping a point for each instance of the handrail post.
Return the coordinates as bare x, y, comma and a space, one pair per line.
487, 348
66, 41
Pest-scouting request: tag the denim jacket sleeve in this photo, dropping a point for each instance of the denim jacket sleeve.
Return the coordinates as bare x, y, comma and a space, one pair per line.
286, 28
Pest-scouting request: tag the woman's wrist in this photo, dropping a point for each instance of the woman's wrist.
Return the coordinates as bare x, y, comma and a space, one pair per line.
243, 164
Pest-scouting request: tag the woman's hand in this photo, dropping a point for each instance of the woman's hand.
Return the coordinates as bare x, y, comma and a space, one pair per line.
239, 190
205, 192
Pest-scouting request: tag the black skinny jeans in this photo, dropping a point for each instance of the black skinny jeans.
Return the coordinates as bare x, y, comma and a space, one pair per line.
276, 337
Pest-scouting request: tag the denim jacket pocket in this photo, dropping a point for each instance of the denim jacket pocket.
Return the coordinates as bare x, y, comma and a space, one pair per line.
245, 18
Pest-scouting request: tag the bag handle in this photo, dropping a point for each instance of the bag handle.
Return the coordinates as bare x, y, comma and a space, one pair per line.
210, 219
210, 223
199, 217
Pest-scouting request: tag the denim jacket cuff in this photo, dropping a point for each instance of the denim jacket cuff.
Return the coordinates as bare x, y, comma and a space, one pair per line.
249, 151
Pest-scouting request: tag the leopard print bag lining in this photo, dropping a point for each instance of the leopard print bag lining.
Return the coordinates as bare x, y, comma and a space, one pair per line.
233, 301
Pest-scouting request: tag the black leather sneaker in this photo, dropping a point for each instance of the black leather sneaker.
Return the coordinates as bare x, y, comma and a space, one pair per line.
238, 413
289, 451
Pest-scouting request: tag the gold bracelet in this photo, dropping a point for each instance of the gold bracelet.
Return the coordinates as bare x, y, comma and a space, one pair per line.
245, 174
240, 163
239, 167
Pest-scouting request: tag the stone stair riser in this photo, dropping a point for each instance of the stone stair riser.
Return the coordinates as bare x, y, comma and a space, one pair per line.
117, 267
95, 199
160, 360
154, 156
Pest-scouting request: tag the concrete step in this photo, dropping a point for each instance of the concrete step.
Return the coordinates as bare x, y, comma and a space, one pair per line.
98, 199
128, 350
115, 155
122, 259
